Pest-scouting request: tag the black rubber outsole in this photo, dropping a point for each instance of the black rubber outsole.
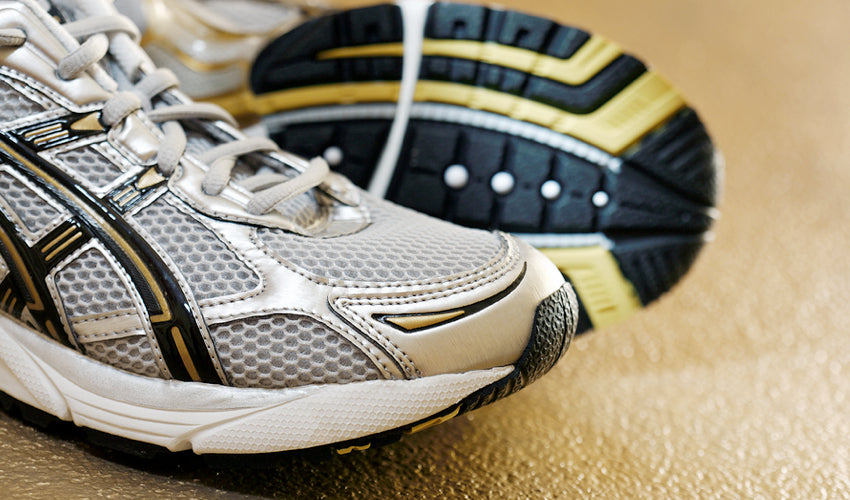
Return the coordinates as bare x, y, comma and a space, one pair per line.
551, 335
657, 206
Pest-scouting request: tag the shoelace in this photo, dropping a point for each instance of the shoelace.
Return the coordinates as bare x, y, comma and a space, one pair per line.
268, 189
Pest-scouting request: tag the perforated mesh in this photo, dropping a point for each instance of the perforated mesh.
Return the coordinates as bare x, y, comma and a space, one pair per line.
303, 209
88, 285
132, 354
400, 245
14, 105
33, 211
288, 351
211, 268
92, 166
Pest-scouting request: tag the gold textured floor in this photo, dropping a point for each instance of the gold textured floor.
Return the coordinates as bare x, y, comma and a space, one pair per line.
737, 384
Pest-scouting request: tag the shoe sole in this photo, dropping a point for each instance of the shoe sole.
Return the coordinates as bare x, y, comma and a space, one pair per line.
551, 133
46, 382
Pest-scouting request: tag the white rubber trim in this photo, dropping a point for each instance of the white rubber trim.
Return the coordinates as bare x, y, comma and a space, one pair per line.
209, 418
414, 14
555, 240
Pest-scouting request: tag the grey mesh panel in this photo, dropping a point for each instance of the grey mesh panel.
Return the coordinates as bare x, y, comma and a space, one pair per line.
132, 354
288, 350
90, 165
89, 285
303, 209
14, 105
211, 268
401, 245
33, 211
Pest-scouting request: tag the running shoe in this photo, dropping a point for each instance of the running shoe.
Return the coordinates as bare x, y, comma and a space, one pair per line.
483, 117
166, 280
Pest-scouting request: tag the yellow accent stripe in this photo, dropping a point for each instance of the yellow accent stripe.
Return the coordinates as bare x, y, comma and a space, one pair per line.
346, 451
12, 304
606, 294
434, 421
643, 105
320, 95
63, 246
45, 130
59, 238
184, 354
614, 127
51, 137
6, 297
589, 60
52, 330
414, 322
128, 199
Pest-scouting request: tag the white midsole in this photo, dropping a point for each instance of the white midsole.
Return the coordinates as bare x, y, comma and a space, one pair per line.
209, 418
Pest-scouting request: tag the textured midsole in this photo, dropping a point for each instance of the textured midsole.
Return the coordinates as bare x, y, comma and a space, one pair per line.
215, 419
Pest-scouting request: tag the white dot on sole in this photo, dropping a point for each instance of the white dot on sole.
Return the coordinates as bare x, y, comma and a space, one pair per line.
502, 183
600, 198
334, 156
550, 190
456, 176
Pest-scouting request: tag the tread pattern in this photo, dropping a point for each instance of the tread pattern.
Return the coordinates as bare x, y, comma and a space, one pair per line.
654, 208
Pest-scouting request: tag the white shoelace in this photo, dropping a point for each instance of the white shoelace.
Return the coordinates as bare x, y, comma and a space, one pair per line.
267, 189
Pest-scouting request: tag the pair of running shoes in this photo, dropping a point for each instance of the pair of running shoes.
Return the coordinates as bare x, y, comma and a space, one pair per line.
169, 281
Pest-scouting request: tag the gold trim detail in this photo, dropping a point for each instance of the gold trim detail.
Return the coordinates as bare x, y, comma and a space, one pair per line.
417, 321
41, 131
52, 137
346, 451
52, 330
589, 60
90, 122
606, 294
150, 178
63, 246
57, 239
434, 421
184, 354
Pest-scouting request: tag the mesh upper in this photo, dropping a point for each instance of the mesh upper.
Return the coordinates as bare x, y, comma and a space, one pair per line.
14, 105
31, 208
288, 351
401, 245
88, 285
90, 165
210, 267
132, 354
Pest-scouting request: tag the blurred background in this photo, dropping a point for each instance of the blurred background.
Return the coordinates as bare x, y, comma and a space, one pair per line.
735, 384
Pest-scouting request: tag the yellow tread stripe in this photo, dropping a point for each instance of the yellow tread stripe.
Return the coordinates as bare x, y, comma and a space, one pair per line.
590, 59
606, 294
642, 106
618, 124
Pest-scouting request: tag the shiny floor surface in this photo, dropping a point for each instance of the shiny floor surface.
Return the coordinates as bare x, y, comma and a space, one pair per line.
737, 384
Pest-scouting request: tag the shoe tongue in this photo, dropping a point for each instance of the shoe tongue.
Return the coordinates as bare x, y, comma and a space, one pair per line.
202, 136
